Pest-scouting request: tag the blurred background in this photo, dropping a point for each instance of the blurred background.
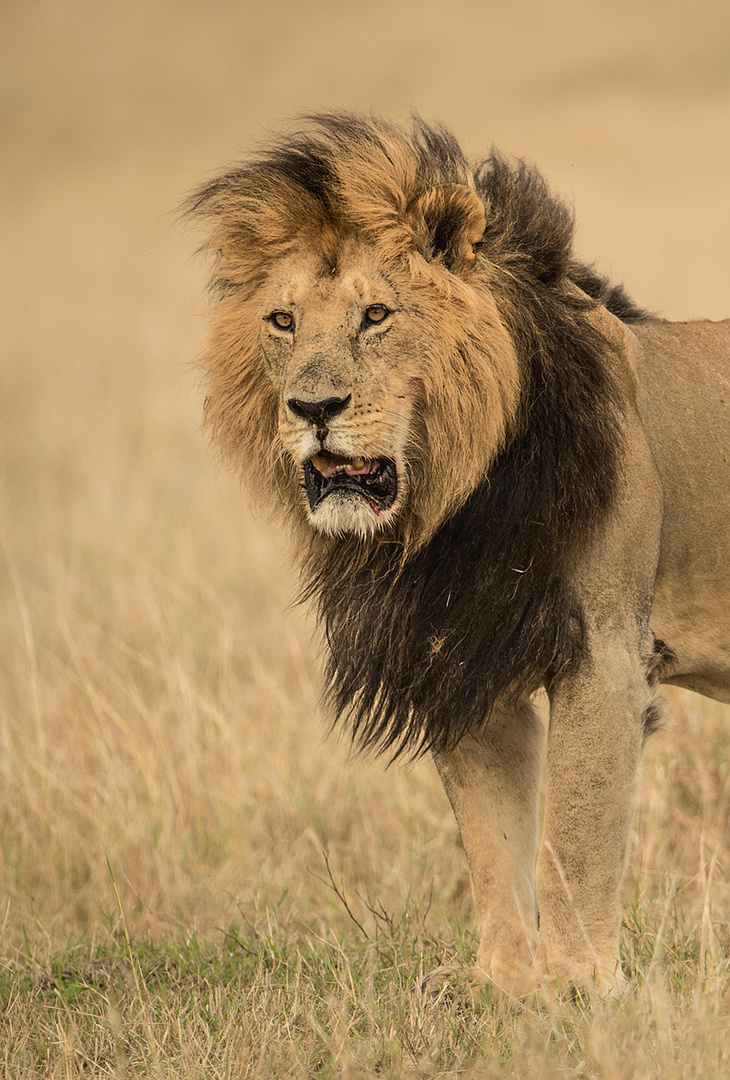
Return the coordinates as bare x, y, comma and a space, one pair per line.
158, 702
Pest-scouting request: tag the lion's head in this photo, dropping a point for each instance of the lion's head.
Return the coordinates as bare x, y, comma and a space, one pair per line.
357, 360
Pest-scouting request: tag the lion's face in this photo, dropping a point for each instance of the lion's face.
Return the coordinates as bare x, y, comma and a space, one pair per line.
341, 348
370, 392
359, 368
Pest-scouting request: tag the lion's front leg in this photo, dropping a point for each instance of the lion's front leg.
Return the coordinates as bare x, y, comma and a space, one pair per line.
594, 747
492, 781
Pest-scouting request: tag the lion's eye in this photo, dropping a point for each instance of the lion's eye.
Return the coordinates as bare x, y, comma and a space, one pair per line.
376, 313
282, 320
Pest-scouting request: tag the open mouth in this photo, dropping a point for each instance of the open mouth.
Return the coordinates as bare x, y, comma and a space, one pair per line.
373, 479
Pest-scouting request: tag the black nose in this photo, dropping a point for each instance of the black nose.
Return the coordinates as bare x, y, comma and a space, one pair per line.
318, 412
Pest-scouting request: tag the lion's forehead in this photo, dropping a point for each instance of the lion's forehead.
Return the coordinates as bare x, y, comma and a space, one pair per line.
352, 278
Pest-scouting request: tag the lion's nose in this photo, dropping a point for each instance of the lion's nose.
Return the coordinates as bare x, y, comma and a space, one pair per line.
318, 412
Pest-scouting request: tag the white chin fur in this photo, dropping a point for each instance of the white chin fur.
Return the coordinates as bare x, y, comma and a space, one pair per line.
346, 514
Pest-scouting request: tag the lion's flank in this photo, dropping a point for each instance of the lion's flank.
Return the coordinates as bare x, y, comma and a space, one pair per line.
424, 637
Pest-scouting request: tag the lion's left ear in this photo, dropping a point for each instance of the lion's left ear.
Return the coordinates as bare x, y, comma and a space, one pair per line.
447, 222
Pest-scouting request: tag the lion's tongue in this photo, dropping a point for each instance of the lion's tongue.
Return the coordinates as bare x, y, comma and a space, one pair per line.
329, 464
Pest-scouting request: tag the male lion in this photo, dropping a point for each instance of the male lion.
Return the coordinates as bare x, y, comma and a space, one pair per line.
502, 476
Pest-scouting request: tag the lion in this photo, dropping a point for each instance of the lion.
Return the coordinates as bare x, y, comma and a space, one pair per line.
501, 475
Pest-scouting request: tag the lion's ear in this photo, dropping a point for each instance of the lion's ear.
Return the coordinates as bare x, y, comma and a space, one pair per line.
447, 222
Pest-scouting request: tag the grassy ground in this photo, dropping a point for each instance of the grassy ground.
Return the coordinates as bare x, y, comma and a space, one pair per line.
194, 880
269, 997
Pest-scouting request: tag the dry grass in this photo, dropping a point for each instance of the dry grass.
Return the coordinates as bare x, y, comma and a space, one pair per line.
158, 703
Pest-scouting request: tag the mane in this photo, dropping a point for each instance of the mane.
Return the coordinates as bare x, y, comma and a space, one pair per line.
341, 171
422, 642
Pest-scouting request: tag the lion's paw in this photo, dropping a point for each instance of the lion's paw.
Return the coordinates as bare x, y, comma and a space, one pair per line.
472, 986
452, 984
585, 982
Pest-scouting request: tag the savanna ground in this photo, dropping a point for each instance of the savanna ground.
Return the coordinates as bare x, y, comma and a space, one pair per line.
194, 881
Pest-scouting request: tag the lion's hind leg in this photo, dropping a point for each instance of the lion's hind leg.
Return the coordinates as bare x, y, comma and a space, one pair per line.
492, 780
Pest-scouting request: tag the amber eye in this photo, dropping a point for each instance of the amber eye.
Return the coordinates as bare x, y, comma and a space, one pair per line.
376, 313
282, 320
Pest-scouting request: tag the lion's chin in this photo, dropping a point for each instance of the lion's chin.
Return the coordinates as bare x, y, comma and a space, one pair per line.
346, 513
